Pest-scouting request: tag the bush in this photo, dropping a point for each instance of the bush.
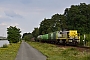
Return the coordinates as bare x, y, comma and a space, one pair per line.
4, 46
87, 39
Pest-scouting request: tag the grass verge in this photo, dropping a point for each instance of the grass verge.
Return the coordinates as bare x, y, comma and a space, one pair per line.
56, 53
10, 52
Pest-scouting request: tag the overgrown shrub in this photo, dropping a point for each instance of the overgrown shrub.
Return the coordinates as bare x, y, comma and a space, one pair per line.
4, 46
87, 39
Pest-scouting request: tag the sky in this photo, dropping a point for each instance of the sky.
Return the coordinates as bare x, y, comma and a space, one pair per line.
27, 14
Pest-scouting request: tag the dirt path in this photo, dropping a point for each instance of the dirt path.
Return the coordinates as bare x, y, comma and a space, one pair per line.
26, 52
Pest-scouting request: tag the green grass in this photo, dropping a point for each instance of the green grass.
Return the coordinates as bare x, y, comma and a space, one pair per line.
10, 52
56, 53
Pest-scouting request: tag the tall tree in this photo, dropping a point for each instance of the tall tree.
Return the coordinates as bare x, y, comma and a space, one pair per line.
45, 26
77, 17
56, 23
27, 36
13, 34
35, 33
59, 22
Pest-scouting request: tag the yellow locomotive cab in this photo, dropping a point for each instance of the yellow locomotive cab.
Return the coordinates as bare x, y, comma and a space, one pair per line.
73, 33
74, 36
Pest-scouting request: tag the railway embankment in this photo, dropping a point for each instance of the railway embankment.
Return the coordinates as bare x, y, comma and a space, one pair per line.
54, 52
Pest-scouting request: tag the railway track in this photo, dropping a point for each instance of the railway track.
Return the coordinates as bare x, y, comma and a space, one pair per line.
83, 47
61, 45
79, 48
76, 46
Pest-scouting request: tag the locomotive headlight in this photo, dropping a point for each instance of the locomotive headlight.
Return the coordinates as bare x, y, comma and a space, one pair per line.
78, 40
70, 40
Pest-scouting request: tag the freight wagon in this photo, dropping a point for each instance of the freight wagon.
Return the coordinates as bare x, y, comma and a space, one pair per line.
65, 37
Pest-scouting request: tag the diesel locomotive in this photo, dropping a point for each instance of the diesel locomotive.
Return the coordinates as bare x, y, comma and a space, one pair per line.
65, 37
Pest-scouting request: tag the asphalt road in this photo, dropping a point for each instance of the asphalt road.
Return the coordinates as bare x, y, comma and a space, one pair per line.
26, 52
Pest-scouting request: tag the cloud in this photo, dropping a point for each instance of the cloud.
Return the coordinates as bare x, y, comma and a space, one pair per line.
7, 24
14, 24
4, 19
3, 24
26, 1
12, 14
